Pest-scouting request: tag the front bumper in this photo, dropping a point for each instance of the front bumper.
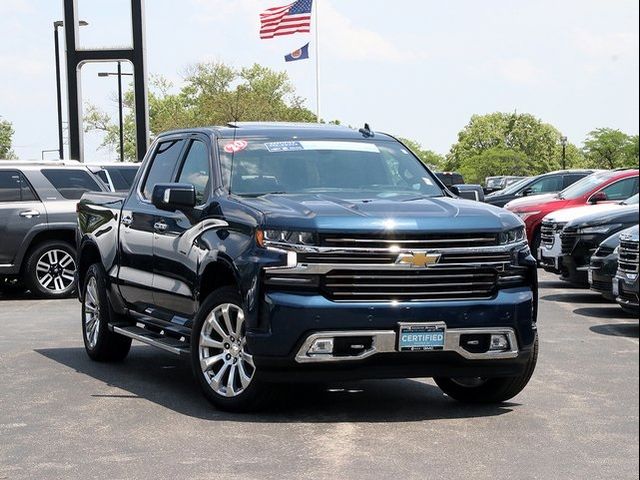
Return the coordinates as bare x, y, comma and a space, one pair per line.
601, 273
294, 318
550, 257
576, 262
625, 289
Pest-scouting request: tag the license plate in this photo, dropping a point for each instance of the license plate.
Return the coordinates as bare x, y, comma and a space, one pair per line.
590, 276
419, 337
616, 287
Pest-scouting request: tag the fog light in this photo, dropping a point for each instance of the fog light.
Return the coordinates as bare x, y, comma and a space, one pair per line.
499, 342
321, 346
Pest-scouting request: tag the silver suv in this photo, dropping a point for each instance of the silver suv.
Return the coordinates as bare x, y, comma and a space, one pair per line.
38, 221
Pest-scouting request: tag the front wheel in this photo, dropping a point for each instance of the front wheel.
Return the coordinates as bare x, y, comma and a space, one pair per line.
100, 343
489, 390
220, 359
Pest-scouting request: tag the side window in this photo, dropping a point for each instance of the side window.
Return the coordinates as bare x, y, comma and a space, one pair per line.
9, 186
571, 179
26, 192
195, 170
15, 188
546, 185
622, 190
163, 165
71, 183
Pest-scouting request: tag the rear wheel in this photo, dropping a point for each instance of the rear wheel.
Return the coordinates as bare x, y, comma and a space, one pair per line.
488, 390
100, 343
50, 270
220, 359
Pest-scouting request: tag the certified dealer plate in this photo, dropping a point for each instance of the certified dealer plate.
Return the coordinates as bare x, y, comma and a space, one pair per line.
419, 337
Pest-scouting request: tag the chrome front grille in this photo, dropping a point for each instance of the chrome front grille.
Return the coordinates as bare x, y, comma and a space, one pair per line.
411, 241
548, 231
385, 257
628, 256
568, 238
441, 283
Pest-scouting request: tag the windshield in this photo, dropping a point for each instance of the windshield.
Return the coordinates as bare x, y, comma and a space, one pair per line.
258, 166
631, 200
584, 186
516, 186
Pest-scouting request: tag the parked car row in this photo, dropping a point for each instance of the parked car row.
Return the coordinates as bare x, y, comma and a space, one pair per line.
38, 220
588, 233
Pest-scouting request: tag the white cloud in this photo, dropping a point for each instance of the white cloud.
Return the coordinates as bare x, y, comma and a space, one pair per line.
520, 71
612, 45
20, 64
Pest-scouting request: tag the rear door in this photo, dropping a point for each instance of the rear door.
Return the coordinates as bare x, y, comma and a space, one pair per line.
137, 226
572, 178
20, 211
175, 258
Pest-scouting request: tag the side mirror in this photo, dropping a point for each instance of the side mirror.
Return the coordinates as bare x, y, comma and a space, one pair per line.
174, 196
527, 191
598, 197
455, 190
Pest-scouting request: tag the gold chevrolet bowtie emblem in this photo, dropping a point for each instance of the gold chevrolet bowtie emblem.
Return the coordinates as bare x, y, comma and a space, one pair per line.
419, 259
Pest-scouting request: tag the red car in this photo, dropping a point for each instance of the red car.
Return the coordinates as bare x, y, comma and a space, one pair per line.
602, 187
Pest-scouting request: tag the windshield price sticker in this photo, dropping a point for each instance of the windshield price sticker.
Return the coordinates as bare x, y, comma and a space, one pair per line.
277, 147
293, 146
235, 146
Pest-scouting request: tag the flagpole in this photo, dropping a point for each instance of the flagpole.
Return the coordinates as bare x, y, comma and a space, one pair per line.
317, 64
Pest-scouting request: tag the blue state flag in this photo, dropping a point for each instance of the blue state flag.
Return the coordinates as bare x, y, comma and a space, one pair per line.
300, 54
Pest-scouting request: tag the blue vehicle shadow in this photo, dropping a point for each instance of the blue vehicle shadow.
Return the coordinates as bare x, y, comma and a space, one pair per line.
168, 381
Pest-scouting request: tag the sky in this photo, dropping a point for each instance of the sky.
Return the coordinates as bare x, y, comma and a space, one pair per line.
414, 68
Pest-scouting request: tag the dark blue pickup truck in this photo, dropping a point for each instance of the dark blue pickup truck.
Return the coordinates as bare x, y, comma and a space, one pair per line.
272, 253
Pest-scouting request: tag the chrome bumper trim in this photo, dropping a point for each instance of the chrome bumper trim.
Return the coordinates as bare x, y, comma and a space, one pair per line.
385, 341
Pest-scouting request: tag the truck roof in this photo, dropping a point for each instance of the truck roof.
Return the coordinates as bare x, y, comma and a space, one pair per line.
283, 130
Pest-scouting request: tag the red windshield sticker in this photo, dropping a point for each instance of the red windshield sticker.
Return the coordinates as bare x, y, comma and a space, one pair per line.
235, 146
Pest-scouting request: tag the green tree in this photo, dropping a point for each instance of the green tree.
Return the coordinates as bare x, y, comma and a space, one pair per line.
609, 148
527, 145
428, 157
6, 137
213, 94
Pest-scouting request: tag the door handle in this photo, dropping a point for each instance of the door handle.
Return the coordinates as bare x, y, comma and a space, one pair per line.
30, 213
160, 226
126, 221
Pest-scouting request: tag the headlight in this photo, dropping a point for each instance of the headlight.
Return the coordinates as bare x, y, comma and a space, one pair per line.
616, 250
284, 237
597, 229
514, 235
525, 215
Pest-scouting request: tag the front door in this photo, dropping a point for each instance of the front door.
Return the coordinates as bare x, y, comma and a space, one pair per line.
176, 257
137, 227
20, 211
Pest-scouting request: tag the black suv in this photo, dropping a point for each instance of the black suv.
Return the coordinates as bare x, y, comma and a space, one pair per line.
38, 221
551, 182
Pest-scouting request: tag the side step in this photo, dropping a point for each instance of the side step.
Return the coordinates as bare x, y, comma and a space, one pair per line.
167, 344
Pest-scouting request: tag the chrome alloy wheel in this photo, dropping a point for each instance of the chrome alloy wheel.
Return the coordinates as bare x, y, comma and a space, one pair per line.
55, 270
224, 361
91, 313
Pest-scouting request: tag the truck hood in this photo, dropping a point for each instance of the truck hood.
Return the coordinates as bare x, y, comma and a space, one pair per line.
568, 214
326, 212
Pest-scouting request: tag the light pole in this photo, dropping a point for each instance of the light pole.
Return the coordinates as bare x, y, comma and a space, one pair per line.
563, 142
119, 74
56, 43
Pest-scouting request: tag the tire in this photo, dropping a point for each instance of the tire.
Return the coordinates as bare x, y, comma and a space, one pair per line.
489, 390
219, 357
49, 271
100, 343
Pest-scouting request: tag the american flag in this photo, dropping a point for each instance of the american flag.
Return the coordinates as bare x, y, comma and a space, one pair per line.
292, 18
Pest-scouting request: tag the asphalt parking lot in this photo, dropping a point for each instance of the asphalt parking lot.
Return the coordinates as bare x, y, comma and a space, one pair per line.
63, 416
